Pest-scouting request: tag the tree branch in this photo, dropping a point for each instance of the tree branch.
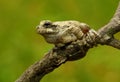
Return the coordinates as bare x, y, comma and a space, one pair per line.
52, 60
35, 72
114, 42
107, 32
70, 52
113, 26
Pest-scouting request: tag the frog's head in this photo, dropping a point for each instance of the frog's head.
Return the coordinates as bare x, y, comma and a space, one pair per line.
46, 27
49, 30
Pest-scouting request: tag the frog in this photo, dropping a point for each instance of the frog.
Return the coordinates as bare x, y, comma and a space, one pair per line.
60, 33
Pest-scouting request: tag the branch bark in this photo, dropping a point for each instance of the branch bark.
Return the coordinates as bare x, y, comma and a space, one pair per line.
113, 26
107, 32
42, 67
58, 56
51, 61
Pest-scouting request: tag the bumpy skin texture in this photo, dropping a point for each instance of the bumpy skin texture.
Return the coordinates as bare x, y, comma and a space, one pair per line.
62, 32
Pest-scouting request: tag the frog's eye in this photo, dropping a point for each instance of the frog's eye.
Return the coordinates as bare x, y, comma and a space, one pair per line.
47, 24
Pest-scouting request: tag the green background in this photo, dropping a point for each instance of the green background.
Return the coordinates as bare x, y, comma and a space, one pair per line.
21, 46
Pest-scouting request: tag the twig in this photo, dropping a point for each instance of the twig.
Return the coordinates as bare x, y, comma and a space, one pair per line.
35, 72
107, 32
52, 60
113, 26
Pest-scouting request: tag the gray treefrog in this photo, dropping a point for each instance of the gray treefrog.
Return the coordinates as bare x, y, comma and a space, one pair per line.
63, 32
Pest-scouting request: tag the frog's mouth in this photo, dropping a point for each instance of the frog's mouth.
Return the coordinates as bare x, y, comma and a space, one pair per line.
46, 31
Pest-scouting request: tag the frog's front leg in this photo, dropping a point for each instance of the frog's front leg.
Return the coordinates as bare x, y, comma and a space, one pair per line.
67, 36
76, 31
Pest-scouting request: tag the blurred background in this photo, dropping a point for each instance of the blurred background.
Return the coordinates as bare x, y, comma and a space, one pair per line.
21, 46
